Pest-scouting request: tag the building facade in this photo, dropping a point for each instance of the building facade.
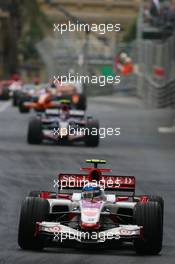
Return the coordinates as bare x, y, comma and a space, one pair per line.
94, 11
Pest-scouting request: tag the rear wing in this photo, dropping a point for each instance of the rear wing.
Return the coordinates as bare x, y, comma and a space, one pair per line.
110, 183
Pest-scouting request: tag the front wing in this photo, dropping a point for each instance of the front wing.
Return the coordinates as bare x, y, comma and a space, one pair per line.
60, 233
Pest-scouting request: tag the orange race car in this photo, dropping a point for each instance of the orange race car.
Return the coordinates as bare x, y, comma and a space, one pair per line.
49, 97
45, 101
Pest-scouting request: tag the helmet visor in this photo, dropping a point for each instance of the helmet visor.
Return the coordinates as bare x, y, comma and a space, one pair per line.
91, 194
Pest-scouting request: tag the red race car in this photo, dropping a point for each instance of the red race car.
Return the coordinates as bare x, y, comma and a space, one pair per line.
92, 207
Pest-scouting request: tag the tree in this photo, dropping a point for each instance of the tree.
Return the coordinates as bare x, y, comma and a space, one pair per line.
131, 32
34, 23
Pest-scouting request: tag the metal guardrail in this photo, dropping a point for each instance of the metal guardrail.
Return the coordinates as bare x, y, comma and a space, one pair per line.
156, 95
156, 64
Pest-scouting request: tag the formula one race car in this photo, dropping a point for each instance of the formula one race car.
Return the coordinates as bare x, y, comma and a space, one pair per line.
30, 93
63, 125
75, 92
4, 89
41, 99
9, 88
92, 208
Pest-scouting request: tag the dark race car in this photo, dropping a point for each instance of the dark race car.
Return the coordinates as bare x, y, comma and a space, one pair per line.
92, 208
63, 125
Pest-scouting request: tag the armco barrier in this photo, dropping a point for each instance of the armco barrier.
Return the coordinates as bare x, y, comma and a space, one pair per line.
156, 64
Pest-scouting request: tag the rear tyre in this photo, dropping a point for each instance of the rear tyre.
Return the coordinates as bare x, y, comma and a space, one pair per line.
34, 135
5, 94
33, 210
22, 107
82, 104
92, 133
149, 215
159, 199
15, 98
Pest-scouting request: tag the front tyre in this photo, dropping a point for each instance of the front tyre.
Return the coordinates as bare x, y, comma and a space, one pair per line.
149, 215
82, 103
34, 135
33, 210
159, 199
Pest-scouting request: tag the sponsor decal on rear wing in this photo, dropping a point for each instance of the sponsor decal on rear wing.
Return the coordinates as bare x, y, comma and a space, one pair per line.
109, 183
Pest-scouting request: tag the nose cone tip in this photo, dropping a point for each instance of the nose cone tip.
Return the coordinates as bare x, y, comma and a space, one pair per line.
86, 226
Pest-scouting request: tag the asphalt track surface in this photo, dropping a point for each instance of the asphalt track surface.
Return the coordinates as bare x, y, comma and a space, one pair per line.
139, 151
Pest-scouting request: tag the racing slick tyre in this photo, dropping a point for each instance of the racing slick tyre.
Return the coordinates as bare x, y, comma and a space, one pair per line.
15, 98
159, 199
22, 108
81, 105
149, 215
92, 133
5, 94
34, 135
33, 210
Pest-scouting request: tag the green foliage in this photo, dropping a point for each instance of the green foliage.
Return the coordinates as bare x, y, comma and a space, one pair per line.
33, 27
131, 32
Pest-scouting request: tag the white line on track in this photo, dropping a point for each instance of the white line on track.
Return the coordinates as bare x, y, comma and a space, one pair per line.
4, 106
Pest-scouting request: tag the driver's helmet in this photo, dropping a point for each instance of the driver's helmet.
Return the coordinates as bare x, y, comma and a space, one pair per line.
65, 108
65, 105
91, 191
